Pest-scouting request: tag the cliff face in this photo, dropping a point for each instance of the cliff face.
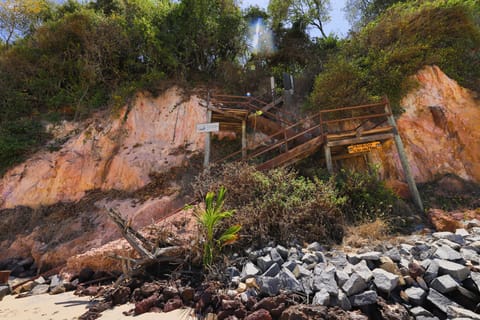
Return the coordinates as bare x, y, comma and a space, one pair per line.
153, 135
440, 129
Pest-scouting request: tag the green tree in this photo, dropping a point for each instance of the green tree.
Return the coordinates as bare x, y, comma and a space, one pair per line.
17, 17
361, 12
306, 12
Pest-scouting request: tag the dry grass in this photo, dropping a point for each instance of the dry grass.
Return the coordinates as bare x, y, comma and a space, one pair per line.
366, 233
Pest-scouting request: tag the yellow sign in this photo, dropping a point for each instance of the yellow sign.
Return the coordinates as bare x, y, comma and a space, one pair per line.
364, 147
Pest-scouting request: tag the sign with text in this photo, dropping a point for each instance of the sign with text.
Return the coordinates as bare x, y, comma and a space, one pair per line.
364, 147
208, 127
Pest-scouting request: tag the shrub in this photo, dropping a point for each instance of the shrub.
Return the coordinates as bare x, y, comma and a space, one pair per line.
209, 219
277, 205
381, 58
367, 197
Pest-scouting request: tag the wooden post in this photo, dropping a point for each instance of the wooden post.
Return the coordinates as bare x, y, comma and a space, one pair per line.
403, 158
328, 158
206, 159
244, 139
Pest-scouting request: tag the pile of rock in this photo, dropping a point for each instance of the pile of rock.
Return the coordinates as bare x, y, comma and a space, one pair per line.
432, 276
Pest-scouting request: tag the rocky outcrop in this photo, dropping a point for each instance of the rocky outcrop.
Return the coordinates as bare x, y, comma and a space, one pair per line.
119, 152
440, 127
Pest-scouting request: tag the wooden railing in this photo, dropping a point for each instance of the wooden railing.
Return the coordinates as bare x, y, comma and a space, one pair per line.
346, 120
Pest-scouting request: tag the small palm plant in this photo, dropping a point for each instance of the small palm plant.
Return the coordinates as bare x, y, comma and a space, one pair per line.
209, 219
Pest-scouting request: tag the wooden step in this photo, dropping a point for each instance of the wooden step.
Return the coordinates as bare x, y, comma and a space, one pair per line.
293, 155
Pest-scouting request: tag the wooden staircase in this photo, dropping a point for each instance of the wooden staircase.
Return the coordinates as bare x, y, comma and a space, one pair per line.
332, 129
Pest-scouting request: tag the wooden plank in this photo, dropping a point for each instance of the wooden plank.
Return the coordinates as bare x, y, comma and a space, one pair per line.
344, 142
333, 136
370, 116
364, 106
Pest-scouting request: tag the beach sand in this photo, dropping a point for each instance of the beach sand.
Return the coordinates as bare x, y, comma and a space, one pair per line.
67, 306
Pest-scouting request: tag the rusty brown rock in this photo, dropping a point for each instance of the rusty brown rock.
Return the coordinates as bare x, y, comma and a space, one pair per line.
261, 314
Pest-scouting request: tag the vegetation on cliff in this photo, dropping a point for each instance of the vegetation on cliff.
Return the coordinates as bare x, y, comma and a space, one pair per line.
62, 61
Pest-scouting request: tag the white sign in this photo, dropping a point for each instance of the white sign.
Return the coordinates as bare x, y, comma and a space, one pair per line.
208, 127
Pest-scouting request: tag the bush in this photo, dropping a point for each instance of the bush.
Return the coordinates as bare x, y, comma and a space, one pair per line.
17, 139
367, 197
277, 205
380, 59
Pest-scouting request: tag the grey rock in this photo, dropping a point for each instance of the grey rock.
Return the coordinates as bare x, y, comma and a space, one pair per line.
385, 280
253, 255
431, 272
353, 258
343, 301
470, 255
364, 298
338, 259
405, 249
427, 318
290, 265
440, 301
320, 257
269, 285
326, 280
322, 298
294, 254
272, 271
264, 262
363, 270
276, 257
40, 289
315, 246
457, 271
55, 280
404, 263
4, 290
449, 236
393, 254
476, 278
474, 223
282, 251
371, 255
446, 253
40, 280
342, 277
475, 245
416, 295
465, 295
288, 280
250, 269
231, 272
307, 285
425, 263
310, 258
462, 232
354, 285
419, 311
451, 244
300, 272
444, 284
458, 312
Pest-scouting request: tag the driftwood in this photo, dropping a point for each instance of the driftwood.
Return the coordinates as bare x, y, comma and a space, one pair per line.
144, 247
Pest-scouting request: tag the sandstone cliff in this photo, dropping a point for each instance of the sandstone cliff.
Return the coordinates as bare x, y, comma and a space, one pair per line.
152, 135
440, 129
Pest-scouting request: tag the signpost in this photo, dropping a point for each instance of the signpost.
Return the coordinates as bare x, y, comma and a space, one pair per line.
208, 127
364, 147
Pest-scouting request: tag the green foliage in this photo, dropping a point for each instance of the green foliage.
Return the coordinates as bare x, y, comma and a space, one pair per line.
380, 59
18, 138
304, 12
367, 198
210, 219
278, 205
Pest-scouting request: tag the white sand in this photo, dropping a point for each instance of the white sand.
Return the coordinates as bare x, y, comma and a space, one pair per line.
67, 306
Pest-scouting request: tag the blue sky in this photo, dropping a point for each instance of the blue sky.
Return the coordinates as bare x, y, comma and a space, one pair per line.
338, 24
